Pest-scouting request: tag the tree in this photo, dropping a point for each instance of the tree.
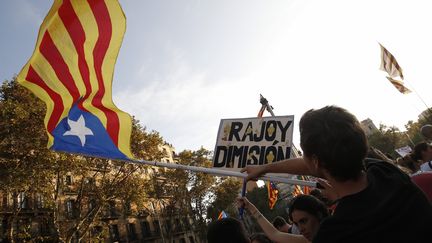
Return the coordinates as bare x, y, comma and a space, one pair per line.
387, 140
225, 195
187, 192
259, 197
25, 163
27, 167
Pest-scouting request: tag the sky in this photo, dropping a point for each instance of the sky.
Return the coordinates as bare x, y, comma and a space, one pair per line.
185, 65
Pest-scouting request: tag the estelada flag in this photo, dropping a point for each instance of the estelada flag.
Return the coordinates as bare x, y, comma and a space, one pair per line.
399, 86
222, 215
272, 194
306, 189
71, 70
389, 64
297, 191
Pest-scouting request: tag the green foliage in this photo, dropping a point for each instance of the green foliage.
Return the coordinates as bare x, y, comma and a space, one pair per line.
390, 138
26, 165
225, 195
387, 140
259, 197
189, 193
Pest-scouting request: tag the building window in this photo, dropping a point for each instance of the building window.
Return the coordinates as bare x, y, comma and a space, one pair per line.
145, 229
178, 226
182, 240
186, 223
127, 207
114, 232
44, 228
70, 208
112, 208
92, 204
39, 201
131, 231
5, 201
68, 180
156, 227
191, 239
22, 200
168, 226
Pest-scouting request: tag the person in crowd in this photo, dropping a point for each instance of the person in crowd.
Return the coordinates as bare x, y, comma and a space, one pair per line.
227, 230
280, 224
284, 226
423, 153
375, 153
330, 203
407, 164
259, 238
377, 202
307, 212
269, 229
318, 194
426, 131
423, 180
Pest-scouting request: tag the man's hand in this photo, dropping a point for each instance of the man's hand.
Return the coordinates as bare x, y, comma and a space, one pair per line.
254, 171
244, 202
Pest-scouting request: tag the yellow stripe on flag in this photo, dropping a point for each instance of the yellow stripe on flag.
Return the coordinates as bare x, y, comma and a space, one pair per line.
117, 16
89, 25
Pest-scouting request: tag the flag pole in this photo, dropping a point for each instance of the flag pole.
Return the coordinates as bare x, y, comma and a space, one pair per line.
265, 105
269, 108
220, 172
415, 91
391, 66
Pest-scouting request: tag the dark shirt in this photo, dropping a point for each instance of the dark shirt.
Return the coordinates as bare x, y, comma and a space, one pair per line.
390, 209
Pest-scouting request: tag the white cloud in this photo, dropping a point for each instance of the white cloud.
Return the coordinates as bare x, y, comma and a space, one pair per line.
300, 56
185, 105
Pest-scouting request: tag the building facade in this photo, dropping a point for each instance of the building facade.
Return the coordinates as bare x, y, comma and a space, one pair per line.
28, 216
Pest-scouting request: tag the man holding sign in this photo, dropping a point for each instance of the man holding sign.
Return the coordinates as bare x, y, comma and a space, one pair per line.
376, 201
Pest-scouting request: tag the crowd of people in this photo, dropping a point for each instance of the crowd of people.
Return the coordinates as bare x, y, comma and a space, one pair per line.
371, 197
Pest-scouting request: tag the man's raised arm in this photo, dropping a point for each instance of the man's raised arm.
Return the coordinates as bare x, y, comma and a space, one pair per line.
295, 166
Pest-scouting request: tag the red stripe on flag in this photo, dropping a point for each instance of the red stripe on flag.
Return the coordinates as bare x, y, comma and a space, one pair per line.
103, 20
54, 58
77, 34
33, 77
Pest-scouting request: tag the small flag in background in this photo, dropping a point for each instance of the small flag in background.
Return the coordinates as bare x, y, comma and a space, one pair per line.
222, 215
306, 189
399, 86
261, 111
391, 66
272, 194
297, 191
71, 70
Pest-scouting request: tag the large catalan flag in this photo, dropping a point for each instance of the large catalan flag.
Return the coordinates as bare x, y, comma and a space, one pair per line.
71, 70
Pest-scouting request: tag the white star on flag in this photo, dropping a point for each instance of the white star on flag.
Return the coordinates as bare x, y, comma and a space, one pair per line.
78, 129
